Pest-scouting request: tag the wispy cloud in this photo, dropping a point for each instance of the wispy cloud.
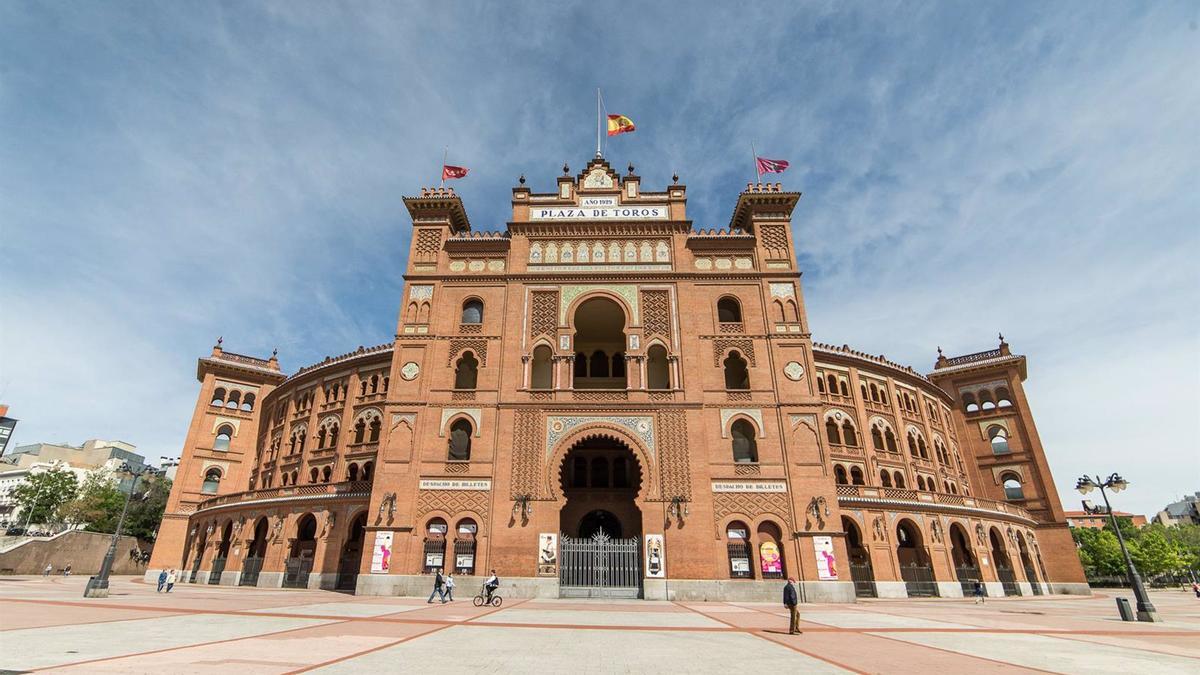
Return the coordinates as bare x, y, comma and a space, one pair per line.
169, 174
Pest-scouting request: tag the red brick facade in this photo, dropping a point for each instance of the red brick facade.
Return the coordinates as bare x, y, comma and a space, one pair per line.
600, 355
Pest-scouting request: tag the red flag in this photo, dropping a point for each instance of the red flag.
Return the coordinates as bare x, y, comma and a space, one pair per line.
454, 171
770, 165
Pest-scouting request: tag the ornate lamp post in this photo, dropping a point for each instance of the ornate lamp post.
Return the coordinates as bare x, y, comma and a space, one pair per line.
1085, 484
97, 586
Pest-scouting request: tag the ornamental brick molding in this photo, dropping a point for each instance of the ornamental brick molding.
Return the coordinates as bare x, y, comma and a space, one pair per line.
543, 314
774, 238
656, 314
454, 503
751, 505
527, 453
429, 242
673, 462
476, 345
744, 346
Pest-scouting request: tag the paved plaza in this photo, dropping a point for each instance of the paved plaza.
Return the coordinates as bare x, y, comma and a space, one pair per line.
46, 626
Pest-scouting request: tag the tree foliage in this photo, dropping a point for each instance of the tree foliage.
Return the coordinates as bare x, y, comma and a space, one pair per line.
100, 501
43, 495
1155, 549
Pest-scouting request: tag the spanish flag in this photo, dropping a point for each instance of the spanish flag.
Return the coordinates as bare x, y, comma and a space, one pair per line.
619, 124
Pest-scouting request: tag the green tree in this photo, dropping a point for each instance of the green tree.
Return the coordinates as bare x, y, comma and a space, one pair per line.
1099, 552
98, 504
147, 506
42, 496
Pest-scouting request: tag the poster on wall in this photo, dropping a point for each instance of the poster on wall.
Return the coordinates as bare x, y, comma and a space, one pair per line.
739, 566
381, 554
768, 555
826, 560
548, 554
656, 562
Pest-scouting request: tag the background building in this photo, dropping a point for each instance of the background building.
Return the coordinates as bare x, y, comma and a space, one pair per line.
1183, 512
1096, 516
601, 381
93, 455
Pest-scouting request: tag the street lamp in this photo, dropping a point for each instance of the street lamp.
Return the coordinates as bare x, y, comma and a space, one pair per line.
97, 586
1085, 484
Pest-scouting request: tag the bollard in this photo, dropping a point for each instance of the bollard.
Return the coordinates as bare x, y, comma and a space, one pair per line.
1125, 610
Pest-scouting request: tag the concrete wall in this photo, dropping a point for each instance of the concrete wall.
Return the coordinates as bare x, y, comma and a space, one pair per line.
83, 551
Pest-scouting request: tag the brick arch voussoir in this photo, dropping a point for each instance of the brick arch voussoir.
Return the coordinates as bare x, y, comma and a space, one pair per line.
600, 429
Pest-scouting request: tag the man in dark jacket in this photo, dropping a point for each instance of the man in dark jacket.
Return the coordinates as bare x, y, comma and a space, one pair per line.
792, 602
438, 583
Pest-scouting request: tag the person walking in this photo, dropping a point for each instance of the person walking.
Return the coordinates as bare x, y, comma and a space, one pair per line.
170, 579
162, 581
46, 572
450, 586
67, 570
979, 594
438, 585
1196, 589
792, 601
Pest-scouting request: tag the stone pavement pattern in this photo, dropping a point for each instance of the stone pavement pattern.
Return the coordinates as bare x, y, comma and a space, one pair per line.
47, 626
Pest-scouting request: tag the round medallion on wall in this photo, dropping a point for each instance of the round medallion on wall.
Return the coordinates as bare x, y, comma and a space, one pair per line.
793, 370
410, 370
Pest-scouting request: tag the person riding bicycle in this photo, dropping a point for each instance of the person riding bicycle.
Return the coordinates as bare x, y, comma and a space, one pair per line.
492, 583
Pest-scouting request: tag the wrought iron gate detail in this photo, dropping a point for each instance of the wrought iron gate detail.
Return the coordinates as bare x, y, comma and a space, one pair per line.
599, 567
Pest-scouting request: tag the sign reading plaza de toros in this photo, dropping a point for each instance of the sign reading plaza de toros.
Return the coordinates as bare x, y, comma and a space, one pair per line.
599, 208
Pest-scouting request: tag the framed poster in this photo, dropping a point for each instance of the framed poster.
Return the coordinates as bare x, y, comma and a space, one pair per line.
739, 566
547, 554
826, 559
381, 554
656, 562
768, 555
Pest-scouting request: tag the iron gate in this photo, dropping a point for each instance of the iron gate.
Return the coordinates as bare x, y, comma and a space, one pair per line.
918, 580
864, 580
296, 571
1033, 580
218, 568
599, 567
967, 576
251, 567
1008, 580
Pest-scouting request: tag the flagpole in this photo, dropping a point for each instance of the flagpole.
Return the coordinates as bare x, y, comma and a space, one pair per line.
598, 153
754, 156
445, 154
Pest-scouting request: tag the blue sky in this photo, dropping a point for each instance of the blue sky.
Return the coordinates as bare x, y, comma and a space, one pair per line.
171, 172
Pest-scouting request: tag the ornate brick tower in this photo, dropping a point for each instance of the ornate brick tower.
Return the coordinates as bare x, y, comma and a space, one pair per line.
219, 453
998, 433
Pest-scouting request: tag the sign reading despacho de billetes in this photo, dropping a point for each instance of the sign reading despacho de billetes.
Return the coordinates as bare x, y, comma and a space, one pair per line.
749, 486
456, 485
598, 213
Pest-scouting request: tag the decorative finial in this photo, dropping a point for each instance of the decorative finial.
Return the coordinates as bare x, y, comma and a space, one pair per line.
566, 169
274, 352
939, 350
220, 339
675, 178
521, 180
631, 168
1002, 337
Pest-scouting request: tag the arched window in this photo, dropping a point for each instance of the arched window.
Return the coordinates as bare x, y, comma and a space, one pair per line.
618, 365
360, 431
1003, 398
542, 375
920, 482
460, 441
326, 474
877, 438
839, 475
598, 364
224, 435
745, 448
466, 372
579, 472
821, 385
831, 384
899, 479
885, 479
248, 403
912, 444
374, 384
234, 400
863, 388
985, 400
581, 364
831, 431
999, 439
599, 472
314, 475
218, 398
472, 311
367, 470
921, 449
374, 428
352, 472
891, 441
320, 438
729, 310
848, 433
658, 374
212, 481
856, 476
737, 377
845, 389
1012, 487
874, 393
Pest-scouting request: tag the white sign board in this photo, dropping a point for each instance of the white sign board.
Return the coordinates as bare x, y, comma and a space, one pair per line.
456, 485
547, 554
656, 559
639, 212
749, 486
381, 554
826, 559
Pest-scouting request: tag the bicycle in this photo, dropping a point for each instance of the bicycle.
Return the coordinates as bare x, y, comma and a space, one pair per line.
482, 598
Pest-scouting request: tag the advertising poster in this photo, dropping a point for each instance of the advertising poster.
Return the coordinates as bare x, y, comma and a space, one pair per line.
826, 561
656, 563
548, 554
381, 554
768, 555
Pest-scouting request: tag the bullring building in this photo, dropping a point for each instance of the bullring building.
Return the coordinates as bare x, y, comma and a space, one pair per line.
601, 400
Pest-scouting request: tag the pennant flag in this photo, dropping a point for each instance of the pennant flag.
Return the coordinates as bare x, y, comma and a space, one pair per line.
619, 124
454, 171
770, 165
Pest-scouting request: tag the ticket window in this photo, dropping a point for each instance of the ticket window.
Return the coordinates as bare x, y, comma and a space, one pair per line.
464, 547
737, 536
435, 545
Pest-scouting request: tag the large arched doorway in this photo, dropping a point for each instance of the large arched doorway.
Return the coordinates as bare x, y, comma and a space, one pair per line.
599, 345
1004, 568
351, 558
915, 566
198, 558
966, 567
253, 562
222, 557
300, 554
860, 560
1027, 563
600, 520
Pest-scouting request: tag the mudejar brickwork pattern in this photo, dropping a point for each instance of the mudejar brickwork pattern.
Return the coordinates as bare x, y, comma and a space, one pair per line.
601, 366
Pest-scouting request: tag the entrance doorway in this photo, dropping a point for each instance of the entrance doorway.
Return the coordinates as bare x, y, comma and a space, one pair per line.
351, 558
599, 521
